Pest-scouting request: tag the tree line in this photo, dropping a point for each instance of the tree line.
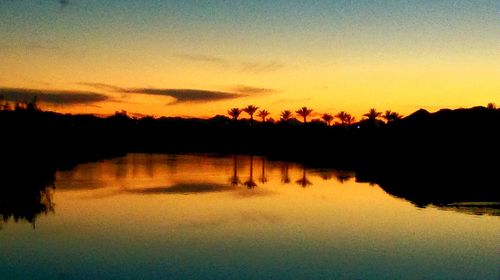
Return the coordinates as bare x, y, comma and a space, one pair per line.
343, 117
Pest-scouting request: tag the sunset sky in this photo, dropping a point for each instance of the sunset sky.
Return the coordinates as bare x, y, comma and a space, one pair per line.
200, 58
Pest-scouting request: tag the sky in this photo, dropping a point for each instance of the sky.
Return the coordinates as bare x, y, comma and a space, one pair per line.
201, 58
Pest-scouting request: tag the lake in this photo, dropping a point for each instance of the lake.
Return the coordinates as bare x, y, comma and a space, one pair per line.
155, 216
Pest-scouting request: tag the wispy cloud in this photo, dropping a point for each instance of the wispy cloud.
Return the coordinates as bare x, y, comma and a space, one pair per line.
103, 86
202, 58
187, 95
251, 67
252, 90
33, 46
55, 97
258, 68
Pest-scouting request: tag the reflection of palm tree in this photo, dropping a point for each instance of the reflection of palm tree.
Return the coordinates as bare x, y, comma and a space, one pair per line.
303, 181
263, 114
345, 118
285, 177
286, 115
250, 110
235, 180
327, 118
234, 113
263, 178
304, 112
343, 176
250, 183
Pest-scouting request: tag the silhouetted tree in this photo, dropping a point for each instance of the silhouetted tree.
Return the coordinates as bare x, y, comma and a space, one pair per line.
263, 114
491, 106
250, 110
286, 115
32, 106
372, 115
234, 113
304, 112
19, 106
6, 106
327, 118
345, 118
390, 116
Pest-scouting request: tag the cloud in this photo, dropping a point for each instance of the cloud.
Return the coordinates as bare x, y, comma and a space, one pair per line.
258, 68
55, 97
202, 58
103, 86
187, 95
252, 67
252, 90
30, 46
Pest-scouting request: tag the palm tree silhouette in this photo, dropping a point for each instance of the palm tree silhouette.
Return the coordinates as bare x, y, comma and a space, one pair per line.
390, 116
234, 113
33, 105
286, 115
372, 115
250, 183
304, 112
327, 118
304, 182
345, 118
263, 114
250, 110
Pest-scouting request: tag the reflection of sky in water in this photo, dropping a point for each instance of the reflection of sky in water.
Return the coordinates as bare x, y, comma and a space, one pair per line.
184, 217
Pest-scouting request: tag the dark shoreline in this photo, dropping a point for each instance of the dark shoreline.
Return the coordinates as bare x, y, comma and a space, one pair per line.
427, 158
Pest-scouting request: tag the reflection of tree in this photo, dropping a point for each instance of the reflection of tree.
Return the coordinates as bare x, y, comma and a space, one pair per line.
250, 183
263, 178
304, 182
235, 180
285, 177
343, 177
25, 202
326, 175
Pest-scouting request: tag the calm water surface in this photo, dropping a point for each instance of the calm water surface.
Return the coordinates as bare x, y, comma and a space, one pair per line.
205, 217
